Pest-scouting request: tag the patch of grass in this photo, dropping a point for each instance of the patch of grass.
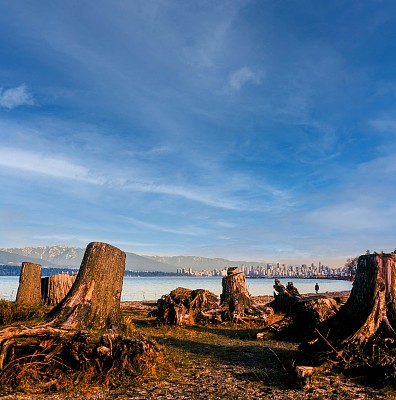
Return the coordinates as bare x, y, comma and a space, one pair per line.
11, 312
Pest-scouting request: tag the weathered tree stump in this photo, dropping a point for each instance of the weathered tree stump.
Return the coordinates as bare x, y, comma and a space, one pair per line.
362, 334
29, 290
186, 307
235, 294
303, 314
371, 305
55, 288
304, 376
94, 299
285, 299
51, 356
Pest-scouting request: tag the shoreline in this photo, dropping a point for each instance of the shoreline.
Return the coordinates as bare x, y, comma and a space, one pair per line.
147, 304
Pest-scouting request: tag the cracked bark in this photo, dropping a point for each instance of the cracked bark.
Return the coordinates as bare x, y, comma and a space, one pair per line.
94, 299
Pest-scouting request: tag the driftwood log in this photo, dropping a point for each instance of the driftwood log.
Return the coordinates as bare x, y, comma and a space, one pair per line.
94, 299
55, 288
29, 290
235, 294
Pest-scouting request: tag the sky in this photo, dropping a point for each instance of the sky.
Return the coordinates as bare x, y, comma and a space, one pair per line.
257, 130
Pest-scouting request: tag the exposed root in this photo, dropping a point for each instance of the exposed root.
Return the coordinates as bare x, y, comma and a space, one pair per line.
47, 358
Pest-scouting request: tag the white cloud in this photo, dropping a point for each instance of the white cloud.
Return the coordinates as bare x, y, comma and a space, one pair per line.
189, 230
56, 166
44, 165
239, 78
15, 97
184, 192
384, 125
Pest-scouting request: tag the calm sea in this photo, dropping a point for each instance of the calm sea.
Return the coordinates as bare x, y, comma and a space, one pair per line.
137, 289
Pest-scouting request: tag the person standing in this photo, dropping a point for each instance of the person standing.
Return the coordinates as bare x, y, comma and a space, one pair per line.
316, 288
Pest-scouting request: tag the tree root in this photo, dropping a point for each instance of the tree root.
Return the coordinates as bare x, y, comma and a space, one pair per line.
49, 358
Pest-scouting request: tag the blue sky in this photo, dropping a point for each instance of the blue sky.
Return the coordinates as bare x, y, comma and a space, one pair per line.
256, 130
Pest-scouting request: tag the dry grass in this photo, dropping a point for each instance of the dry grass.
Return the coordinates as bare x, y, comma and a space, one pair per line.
11, 313
41, 359
206, 362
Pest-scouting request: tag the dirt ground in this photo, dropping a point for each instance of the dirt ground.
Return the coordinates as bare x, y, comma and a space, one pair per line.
220, 362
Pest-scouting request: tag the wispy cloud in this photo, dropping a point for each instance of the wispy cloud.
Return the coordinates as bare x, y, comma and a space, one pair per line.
15, 97
52, 166
194, 194
384, 124
243, 76
60, 167
190, 230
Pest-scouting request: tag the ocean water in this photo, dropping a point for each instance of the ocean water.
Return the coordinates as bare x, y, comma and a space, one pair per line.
152, 288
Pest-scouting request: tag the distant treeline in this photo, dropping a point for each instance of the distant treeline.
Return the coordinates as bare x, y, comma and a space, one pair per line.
150, 273
15, 270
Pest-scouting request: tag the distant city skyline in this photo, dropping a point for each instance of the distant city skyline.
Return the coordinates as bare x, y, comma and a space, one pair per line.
238, 129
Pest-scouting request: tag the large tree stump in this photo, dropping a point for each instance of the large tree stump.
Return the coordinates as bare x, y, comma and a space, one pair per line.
362, 334
55, 288
371, 305
235, 293
51, 356
94, 299
29, 290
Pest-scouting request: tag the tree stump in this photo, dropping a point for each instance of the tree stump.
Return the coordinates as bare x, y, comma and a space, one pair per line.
285, 299
51, 356
235, 294
371, 305
55, 288
94, 299
303, 314
186, 307
362, 334
29, 290
304, 376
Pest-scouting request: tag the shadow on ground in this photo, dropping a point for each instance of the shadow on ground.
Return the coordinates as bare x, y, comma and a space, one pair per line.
248, 361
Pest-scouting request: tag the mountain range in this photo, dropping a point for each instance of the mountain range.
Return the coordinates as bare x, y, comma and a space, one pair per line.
67, 256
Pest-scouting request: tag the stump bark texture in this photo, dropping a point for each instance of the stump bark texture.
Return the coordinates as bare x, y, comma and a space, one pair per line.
29, 290
235, 293
55, 288
362, 335
186, 307
371, 306
303, 314
285, 299
94, 299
